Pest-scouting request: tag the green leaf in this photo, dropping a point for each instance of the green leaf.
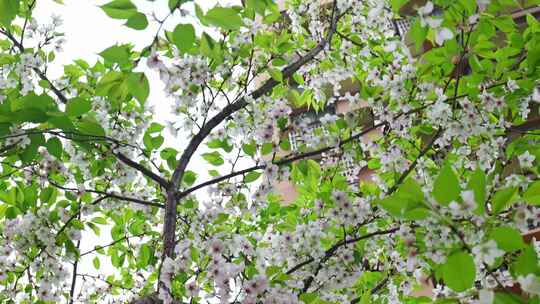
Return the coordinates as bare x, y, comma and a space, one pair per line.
30, 152
225, 17
96, 262
470, 6
397, 4
507, 238
11, 212
54, 146
47, 195
298, 78
266, 148
8, 11
250, 148
459, 271
532, 194
502, 198
200, 15
99, 220
174, 4
220, 143
32, 101
525, 263
155, 128
365, 298
139, 87
184, 37
418, 33
91, 128
78, 106
505, 23
145, 254
119, 9
137, 21
308, 297
252, 176
257, 5
410, 190
406, 202
507, 298
477, 184
117, 54
533, 56
207, 46
213, 158
275, 74
446, 187
6, 59
189, 177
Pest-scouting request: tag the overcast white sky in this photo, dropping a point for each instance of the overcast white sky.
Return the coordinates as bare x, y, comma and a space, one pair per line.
88, 31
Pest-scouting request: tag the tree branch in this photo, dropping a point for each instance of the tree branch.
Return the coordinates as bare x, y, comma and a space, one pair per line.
111, 244
145, 171
74, 275
332, 250
111, 195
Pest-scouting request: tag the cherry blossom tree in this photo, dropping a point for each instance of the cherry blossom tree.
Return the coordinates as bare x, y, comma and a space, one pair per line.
453, 163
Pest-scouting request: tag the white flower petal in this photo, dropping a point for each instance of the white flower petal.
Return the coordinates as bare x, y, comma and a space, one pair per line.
442, 35
426, 9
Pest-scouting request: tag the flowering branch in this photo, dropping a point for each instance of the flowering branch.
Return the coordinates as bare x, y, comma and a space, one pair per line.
41, 75
169, 226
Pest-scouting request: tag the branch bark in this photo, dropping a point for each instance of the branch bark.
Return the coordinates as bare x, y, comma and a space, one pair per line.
111, 195
145, 171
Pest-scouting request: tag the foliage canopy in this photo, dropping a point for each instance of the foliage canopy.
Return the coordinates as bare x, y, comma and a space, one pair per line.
443, 118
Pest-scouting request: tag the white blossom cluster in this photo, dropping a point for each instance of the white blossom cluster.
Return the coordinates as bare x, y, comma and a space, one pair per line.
22, 233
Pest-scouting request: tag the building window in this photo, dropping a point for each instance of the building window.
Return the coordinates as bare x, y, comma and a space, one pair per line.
402, 26
306, 127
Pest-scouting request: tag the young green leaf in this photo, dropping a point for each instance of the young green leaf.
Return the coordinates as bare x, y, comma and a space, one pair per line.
78, 106
117, 54
477, 184
184, 37
459, 271
507, 238
8, 11
213, 158
225, 17
96, 262
189, 177
446, 187
119, 9
275, 74
54, 146
526, 262
138, 86
137, 21
502, 198
532, 194
418, 33
252, 176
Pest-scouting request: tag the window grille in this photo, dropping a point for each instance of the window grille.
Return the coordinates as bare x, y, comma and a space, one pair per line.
403, 26
306, 126
299, 136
